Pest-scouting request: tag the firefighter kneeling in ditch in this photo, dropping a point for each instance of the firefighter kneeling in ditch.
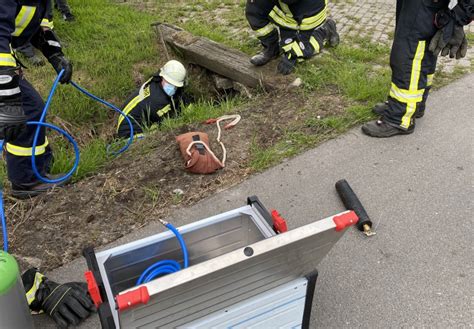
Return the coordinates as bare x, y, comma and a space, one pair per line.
159, 97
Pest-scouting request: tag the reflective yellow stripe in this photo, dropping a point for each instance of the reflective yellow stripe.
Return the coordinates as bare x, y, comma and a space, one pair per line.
282, 20
429, 80
295, 47
7, 60
414, 82
284, 7
315, 44
406, 96
416, 66
30, 294
23, 19
47, 23
286, 20
130, 106
267, 29
312, 22
26, 151
164, 110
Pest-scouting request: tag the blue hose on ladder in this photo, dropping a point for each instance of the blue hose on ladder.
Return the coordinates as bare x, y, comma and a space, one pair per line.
165, 266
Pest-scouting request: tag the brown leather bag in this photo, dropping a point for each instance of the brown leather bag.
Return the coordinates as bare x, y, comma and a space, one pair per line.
199, 158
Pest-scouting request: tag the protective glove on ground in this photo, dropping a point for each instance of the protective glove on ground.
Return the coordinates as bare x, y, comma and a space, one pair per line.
59, 62
68, 303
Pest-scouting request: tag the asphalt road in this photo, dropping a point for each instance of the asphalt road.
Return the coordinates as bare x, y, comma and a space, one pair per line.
418, 189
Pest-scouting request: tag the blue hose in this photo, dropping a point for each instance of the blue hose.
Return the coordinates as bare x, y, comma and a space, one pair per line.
116, 109
4, 223
41, 122
165, 266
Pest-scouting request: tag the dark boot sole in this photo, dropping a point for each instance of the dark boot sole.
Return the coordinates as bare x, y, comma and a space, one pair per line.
23, 195
391, 134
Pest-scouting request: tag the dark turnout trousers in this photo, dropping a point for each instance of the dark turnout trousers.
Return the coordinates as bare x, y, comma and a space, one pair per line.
298, 23
413, 65
18, 152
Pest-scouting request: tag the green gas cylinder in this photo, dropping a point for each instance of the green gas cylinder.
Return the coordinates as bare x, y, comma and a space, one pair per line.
14, 311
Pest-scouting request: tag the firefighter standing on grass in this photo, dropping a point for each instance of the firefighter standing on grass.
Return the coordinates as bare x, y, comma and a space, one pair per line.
303, 30
19, 102
424, 28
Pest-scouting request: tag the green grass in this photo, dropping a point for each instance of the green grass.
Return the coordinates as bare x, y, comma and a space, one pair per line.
110, 45
361, 75
470, 37
113, 47
296, 140
354, 72
201, 111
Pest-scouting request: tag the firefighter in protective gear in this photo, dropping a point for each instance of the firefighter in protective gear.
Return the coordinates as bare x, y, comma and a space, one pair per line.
159, 97
20, 22
424, 28
298, 28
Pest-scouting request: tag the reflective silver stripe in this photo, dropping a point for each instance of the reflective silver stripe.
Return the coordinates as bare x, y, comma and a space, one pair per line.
9, 92
54, 43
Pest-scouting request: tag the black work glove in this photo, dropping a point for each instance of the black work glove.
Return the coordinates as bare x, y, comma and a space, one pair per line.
12, 116
450, 38
457, 45
286, 65
68, 303
59, 62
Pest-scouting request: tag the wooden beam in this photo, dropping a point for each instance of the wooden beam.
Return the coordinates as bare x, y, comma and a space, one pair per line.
218, 58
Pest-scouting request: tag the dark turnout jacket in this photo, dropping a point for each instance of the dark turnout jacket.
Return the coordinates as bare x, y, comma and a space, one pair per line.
147, 106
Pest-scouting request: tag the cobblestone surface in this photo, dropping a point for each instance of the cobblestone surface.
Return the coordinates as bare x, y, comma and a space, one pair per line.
375, 19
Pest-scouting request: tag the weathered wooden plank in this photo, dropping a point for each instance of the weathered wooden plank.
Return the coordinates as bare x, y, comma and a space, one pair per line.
218, 58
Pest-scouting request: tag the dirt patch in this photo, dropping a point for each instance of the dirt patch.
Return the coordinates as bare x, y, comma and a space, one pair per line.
140, 186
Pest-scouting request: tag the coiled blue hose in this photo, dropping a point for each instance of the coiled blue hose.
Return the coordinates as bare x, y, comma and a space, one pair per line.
165, 266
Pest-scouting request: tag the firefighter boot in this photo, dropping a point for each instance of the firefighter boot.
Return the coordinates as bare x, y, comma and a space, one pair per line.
266, 55
332, 36
29, 190
381, 129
